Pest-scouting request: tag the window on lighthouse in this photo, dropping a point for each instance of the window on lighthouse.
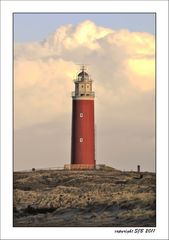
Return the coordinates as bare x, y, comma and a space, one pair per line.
81, 139
81, 115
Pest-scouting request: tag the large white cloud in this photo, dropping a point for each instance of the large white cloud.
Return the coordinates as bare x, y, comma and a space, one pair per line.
119, 61
122, 64
42, 90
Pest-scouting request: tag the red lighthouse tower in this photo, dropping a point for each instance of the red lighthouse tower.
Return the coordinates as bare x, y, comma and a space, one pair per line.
83, 136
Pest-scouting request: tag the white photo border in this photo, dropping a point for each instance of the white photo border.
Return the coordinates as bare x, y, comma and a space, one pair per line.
7, 10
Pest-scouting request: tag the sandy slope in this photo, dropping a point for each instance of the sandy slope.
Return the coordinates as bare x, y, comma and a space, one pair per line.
84, 198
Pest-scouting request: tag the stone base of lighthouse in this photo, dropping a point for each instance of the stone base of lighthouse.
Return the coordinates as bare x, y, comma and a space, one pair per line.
79, 166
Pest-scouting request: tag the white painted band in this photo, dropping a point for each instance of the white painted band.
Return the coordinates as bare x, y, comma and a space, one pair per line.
83, 98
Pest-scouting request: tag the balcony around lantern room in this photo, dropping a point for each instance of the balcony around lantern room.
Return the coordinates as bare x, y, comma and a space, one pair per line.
82, 79
89, 94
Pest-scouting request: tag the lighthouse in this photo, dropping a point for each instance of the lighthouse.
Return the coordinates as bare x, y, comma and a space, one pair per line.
83, 132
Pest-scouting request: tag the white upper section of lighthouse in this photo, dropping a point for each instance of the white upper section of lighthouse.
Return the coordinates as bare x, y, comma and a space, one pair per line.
83, 85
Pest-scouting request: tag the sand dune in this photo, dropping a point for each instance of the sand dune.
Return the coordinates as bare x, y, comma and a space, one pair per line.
105, 197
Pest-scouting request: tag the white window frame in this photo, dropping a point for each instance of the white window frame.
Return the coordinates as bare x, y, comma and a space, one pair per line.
81, 115
81, 140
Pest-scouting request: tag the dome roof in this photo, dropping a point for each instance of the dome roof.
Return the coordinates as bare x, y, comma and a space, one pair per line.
83, 74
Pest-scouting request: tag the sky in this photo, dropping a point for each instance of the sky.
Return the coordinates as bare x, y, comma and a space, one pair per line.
36, 27
120, 52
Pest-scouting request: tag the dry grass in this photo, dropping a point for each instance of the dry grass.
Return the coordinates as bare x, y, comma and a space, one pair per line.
84, 198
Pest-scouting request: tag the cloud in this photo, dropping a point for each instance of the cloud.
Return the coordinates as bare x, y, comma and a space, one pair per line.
122, 64
44, 70
141, 73
42, 90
